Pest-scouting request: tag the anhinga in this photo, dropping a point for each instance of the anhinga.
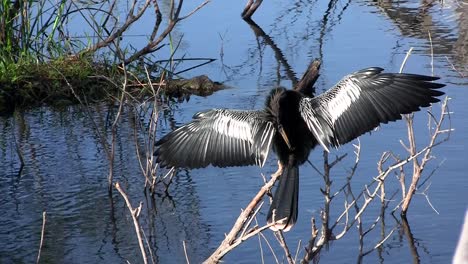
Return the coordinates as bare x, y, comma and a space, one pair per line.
293, 123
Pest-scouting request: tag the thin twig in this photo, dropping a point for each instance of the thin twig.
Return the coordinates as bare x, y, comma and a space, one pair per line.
42, 236
185, 252
260, 244
418, 167
231, 240
427, 198
149, 247
270, 247
244, 238
173, 20
432, 52
134, 213
279, 236
297, 251
380, 243
453, 67
406, 58
114, 130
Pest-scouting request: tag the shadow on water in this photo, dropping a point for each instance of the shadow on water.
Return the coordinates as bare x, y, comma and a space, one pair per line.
410, 239
448, 26
65, 167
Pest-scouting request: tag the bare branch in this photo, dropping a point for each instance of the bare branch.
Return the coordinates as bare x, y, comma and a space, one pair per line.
381, 242
269, 246
42, 237
155, 42
232, 239
195, 10
418, 167
185, 252
279, 236
131, 18
453, 67
250, 8
305, 85
237, 242
406, 58
425, 193
134, 213
297, 251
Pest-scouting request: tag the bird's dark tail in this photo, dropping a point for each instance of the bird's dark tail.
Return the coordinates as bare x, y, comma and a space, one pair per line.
283, 209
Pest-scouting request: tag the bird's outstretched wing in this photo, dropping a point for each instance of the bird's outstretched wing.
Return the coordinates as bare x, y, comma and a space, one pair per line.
220, 137
363, 100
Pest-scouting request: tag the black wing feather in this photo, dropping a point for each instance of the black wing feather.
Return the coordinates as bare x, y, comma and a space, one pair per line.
219, 137
363, 100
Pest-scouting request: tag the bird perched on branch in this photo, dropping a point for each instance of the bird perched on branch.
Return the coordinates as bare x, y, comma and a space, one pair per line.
293, 123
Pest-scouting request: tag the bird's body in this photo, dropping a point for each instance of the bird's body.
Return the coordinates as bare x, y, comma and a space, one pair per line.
293, 123
286, 109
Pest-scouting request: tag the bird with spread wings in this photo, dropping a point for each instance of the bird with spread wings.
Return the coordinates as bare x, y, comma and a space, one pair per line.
292, 123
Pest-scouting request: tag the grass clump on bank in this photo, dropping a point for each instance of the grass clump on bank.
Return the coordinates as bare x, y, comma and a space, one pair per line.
27, 83
42, 61
35, 61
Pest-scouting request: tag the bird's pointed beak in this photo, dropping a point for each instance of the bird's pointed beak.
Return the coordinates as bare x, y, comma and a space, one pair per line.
285, 137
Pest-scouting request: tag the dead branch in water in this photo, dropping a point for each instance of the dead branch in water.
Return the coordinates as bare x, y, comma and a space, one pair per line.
250, 8
419, 165
147, 163
306, 84
42, 236
279, 236
374, 189
235, 237
135, 213
185, 252
368, 195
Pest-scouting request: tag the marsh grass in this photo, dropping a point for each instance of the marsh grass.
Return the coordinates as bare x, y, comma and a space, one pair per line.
29, 31
34, 56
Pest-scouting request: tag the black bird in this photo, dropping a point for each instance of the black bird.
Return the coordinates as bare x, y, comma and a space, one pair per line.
293, 124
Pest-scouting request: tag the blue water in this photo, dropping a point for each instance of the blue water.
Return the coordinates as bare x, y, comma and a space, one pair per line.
66, 169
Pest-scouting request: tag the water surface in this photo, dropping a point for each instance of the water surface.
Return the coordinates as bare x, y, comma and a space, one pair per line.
66, 169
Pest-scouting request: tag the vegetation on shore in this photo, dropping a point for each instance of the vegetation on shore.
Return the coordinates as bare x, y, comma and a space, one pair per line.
42, 63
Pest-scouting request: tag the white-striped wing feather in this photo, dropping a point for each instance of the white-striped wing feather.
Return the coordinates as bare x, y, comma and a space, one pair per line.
219, 137
363, 100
